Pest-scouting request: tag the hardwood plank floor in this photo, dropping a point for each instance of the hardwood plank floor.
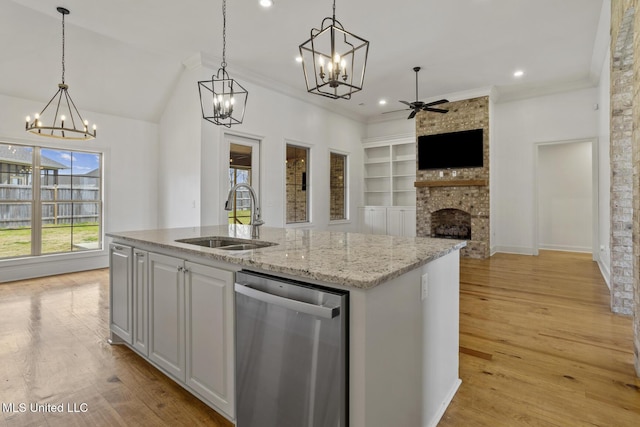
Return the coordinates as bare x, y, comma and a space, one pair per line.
539, 347
53, 350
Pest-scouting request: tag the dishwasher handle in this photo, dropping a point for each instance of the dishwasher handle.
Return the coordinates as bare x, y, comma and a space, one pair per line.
292, 304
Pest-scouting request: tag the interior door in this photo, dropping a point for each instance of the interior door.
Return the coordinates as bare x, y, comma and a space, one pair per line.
244, 167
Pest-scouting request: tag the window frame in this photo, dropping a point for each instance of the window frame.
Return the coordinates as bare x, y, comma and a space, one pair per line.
37, 203
346, 211
308, 184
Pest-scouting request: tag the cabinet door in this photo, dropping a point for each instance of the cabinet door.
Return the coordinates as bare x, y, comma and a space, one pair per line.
409, 222
166, 313
120, 291
375, 220
140, 301
401, 221
209, 327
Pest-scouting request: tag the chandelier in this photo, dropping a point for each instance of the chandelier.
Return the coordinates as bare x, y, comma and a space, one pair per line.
61, 112
334, 60
222, 99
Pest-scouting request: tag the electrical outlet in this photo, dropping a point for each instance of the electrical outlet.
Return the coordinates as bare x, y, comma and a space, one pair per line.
424, 286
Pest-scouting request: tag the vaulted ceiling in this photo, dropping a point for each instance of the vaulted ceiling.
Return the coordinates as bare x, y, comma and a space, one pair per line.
124, 56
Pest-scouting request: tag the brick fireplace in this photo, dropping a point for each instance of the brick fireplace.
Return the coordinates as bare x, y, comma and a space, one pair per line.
455, 203
451, 224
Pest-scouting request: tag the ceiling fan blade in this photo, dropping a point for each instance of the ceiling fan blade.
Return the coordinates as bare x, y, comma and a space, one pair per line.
395, 111
412, 115
406, 103
435, 110
438, 102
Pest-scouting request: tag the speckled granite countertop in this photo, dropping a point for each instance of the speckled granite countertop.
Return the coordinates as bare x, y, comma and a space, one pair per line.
349, 259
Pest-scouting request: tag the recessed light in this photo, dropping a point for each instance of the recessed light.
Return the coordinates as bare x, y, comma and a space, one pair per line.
266, 3
518, 73
298, 58
382, 102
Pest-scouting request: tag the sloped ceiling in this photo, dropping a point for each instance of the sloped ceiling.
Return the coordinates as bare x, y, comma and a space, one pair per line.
123, 57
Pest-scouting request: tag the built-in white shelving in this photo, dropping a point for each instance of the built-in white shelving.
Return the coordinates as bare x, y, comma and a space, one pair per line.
390, 171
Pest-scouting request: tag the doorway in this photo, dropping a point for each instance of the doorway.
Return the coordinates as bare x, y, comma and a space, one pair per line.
566, 197
243, 167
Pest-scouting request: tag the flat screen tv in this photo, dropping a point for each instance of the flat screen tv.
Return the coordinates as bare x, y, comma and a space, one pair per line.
452, 150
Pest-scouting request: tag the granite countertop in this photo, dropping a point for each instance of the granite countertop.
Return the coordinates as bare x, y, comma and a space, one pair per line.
349, 259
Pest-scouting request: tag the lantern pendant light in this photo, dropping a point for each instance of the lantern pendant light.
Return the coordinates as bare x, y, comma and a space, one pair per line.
222, 99
60, 118
334, 60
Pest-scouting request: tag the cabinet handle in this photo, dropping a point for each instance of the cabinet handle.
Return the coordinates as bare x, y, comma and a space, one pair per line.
118, 248
140, 254
180, 268
186, 270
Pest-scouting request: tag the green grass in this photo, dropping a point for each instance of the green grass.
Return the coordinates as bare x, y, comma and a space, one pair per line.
243, 215
16, 242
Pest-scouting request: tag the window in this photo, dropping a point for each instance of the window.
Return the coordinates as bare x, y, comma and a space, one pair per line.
240, 157
297, 184
58, 210
337, 187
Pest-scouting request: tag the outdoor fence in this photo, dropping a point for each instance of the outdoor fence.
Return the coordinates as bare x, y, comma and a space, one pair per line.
60, 205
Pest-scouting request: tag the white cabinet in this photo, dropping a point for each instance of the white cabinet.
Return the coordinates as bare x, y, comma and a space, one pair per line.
120, 291
180, 315
141, 301
401, 221
166, 314
390, 171
209, 334
395, 220
373, 220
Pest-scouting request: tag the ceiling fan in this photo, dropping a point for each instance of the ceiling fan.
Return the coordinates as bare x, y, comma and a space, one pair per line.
419, 105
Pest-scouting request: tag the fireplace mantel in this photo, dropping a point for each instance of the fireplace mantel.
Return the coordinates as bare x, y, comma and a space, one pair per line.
453, 183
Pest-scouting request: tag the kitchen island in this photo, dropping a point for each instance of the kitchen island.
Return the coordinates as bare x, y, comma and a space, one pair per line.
403, 314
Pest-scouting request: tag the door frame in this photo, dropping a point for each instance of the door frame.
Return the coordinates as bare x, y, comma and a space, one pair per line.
595, 220
240, 138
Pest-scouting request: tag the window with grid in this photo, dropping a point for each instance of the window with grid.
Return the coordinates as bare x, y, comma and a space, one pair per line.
58, 209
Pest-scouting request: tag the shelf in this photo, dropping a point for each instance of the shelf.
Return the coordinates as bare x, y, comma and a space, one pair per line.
390, 171
405, 159
453, 183
376, 162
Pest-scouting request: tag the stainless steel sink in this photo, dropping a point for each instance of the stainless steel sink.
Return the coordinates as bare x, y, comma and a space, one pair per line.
227, 243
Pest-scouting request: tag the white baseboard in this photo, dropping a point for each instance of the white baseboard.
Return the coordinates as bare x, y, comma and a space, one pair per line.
520, 250
30, 268
565, 248
606, 273
433, 422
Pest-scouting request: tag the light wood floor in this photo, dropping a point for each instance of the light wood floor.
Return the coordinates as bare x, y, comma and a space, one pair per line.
539, 347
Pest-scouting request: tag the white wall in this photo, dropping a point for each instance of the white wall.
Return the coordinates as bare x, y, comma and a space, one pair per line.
193, 163
179, 162
565, 199
604, 173
517, 126
130, 184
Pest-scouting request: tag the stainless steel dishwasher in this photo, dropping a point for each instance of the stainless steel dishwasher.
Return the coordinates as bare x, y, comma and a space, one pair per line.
291, 353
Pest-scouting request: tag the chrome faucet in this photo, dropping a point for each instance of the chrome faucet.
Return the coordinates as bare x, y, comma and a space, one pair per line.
256, 219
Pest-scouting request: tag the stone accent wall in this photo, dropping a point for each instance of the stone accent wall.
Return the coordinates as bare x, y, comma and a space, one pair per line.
463, 115
621, 240
625, 162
